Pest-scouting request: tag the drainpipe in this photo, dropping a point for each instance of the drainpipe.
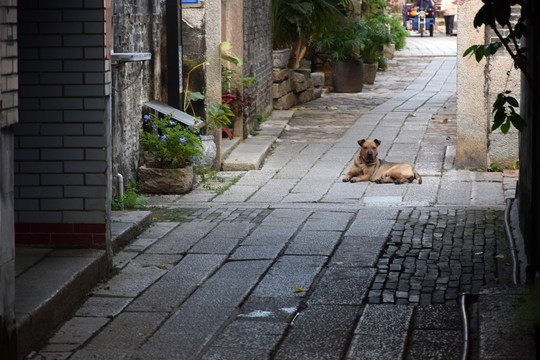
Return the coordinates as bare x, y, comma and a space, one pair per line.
173, 19
121, 190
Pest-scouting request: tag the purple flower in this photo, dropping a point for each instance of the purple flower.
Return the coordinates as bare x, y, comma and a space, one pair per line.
220, 177
146, 117
183, 140
172, 122
164, 137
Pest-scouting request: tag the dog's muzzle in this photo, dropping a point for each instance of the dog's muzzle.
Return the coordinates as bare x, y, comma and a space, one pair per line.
369, 157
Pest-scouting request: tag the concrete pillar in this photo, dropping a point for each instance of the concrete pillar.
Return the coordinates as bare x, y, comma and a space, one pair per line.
232, 30
472, 112
7, 246
202, 37
212, 20
9, 115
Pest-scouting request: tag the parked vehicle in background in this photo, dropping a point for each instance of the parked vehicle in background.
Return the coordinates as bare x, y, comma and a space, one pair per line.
419, 16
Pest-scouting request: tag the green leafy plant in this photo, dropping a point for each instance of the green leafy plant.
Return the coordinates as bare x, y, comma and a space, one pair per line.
221, 189
231, 80
220, 115
132, 199
166, 143
261, 118
494, 167
374, 34
340, 42
296, 22
397, 31
211, 175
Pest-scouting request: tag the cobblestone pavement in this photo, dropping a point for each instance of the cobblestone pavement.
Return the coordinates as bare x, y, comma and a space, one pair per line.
433, 256
289, 262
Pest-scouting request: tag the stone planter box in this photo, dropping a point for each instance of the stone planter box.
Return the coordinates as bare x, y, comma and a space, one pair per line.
166, 181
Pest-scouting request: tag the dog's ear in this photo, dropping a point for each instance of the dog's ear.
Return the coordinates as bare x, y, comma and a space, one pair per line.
361, 142
377, 141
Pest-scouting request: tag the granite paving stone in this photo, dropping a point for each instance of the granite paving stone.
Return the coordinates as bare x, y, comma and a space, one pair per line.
174, 287
288, 272
319, 332
313, 242
220, 295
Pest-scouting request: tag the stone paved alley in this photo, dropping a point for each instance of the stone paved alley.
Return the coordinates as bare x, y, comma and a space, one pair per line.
289, 262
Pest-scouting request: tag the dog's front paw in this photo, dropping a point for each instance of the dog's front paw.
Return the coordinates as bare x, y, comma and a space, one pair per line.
353, 180
379, 181
346, 179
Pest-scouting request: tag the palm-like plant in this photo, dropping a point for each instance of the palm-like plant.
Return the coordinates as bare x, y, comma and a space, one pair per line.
297, 21
340, 42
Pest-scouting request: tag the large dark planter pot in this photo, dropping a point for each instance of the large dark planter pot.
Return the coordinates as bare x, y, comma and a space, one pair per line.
370, 71
348, 76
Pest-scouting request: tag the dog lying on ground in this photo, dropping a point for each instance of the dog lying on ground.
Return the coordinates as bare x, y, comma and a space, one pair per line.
367, 167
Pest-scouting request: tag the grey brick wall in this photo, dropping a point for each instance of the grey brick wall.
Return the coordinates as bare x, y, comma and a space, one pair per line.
8, 117
61, 140
8, 63
257, 58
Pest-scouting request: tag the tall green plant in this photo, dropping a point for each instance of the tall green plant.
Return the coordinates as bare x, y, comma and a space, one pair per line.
340, 42
295, 22
375, 35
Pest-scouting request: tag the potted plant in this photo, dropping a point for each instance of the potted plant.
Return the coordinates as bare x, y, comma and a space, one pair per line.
343, 45
374, 35
295, 22
169, 150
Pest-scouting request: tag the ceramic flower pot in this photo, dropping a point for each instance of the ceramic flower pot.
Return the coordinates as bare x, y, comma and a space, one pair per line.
209, 147
166, 181
280, 58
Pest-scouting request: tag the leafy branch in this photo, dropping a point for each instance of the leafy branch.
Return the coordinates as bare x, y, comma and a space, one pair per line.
497, 14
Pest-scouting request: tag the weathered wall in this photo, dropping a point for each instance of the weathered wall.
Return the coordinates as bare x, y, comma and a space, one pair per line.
201, 29
257, 60
8, 117
137, 28
472, 114
501, 76
477, 87
529, 158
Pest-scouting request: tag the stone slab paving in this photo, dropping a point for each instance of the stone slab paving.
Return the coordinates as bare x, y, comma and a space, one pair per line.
289, 262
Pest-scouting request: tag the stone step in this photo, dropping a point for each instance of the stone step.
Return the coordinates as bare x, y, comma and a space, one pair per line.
251, 152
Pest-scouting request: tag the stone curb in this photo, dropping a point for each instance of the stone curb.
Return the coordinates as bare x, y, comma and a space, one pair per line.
251, 152
60, 294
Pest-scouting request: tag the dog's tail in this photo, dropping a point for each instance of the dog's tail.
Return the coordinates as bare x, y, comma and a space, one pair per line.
417, 177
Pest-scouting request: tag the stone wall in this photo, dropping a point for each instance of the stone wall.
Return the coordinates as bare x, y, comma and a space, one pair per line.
293, 87
136, 29
257, 60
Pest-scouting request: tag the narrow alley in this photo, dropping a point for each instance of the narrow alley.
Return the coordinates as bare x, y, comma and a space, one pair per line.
290, 262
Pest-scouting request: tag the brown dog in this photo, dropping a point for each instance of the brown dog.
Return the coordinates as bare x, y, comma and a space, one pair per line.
367, 167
